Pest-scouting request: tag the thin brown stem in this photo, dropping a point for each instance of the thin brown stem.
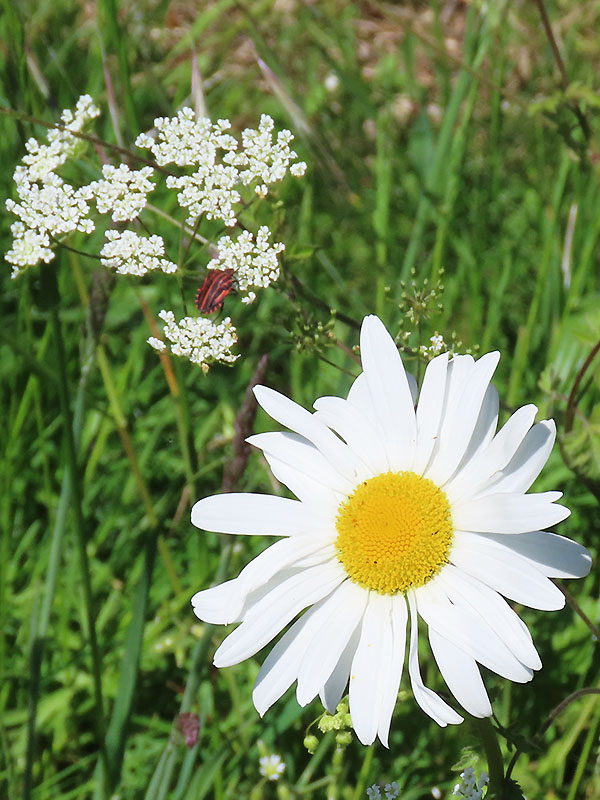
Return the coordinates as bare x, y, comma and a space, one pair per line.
87, 137
571, 402
579, 611
583, 123
550, 719
552, 40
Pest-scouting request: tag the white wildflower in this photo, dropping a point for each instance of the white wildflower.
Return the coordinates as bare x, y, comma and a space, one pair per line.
44, 159
122, 192
210, 191
198, 339
374, 792
157, 344
186, 141
437, 346
254, 262
392, 790
49, 207
55, 207
402, 513
29, 247
271, 767
471, 788
263, 158
130, 254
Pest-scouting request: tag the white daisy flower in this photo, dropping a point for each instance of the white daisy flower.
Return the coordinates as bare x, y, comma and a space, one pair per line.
401, 513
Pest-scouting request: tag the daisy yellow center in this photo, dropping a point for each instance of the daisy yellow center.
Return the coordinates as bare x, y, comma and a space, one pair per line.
394, 532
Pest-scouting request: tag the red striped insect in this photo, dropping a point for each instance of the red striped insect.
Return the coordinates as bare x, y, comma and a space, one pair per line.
211, 295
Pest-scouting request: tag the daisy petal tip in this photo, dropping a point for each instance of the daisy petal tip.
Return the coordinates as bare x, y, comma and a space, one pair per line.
197, 514
261, 708
383, 738
364, 737
260, 392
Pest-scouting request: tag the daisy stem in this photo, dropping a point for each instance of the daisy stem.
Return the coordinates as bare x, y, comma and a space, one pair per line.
493, 753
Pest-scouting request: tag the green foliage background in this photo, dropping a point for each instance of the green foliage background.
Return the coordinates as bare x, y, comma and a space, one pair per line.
453, 141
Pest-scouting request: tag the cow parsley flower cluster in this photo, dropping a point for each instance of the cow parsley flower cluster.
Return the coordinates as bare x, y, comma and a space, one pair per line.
220, 166
48, 208
263, 159
122, 193
253, 261
130, 254
470, 788
198, 339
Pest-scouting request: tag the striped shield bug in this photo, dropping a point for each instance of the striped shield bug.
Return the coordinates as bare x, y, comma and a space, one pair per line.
215, 288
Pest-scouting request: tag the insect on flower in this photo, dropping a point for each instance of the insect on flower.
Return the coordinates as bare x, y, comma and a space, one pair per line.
215, 288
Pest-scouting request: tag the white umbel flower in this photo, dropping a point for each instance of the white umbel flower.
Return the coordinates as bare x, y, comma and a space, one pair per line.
263, 158
122, 192
198, 339
254, 262
130, 254
401, 513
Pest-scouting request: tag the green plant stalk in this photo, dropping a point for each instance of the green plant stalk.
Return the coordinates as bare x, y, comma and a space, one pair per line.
590, 740
121, 423
116, 735
493, 753
38, 644
337, 766
158, 787
79, 521
109, 23
364, 771
526, 332
436, 178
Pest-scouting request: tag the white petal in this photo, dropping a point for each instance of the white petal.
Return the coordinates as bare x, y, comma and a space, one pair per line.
553, 555
356, 430
280, 667
462, 675
335, 687
505, 571
487, 422
320, 498
254, 515
359, 397
303, 422
339, 618
276, 609
524, 467
431, 703
299, 453
468, 631
389, 391
491, 459
461, 419
459, 371
390, 694
464, 590
429, 410
369, 673
223, 604
509, 512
